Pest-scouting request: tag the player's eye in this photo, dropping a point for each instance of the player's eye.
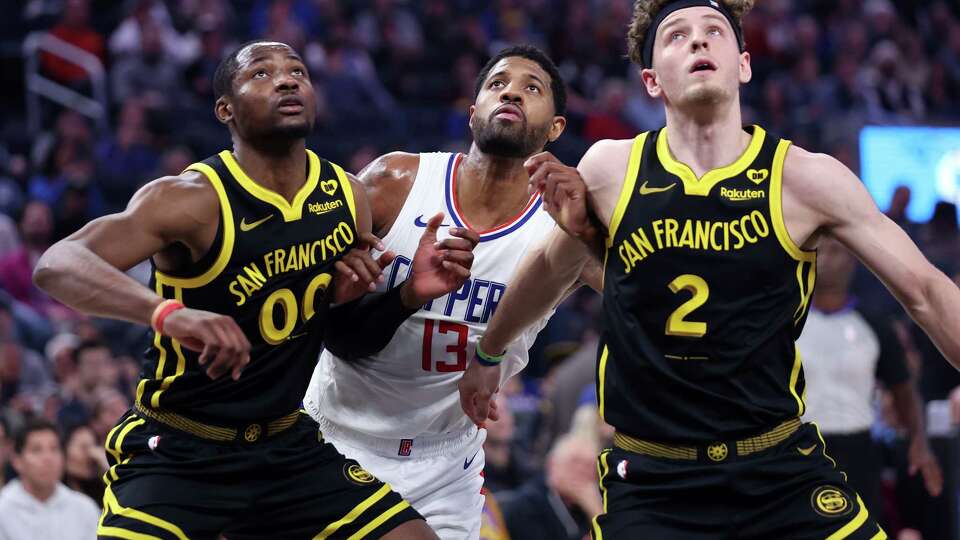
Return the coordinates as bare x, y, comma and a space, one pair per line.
714, 31
497, 83
676, 36
259, 74
298, 72
534, 88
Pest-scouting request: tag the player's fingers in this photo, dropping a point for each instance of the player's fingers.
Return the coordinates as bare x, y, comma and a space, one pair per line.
537, 160
933, 478
457, 270
385, 259
370, 240
359, 266
458, 244
433, 224
345, 271
463, 258
494, 412
372, 266
470, 235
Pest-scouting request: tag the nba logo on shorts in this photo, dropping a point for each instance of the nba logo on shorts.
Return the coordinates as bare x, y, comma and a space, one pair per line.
622, 469
405, 446
152, 442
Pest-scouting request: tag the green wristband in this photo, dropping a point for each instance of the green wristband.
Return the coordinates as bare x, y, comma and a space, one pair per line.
489, 360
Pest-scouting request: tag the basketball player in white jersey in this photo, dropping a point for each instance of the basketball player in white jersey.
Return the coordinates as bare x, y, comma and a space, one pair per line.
398, 412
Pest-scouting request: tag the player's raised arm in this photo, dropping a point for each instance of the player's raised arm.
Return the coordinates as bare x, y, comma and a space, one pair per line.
830, 197
361, 328
538, 285
86, 270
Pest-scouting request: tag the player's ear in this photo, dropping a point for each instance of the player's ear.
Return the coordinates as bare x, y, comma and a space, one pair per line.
746, 71
649, 78
223, 110
556, 128
473, 109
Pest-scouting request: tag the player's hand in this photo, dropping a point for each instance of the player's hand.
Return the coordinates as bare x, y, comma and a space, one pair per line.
357, 272
564, 193
922, 459
440, 267
478, 387
222, 345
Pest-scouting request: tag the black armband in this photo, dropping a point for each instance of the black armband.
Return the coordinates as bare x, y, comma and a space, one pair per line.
365, 326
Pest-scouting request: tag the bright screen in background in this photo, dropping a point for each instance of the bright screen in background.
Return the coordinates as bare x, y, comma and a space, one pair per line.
924, 158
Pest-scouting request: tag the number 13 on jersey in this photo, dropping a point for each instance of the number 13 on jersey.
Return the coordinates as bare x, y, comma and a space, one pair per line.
452, 357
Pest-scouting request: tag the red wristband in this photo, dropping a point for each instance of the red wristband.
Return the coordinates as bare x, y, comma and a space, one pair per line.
160, 313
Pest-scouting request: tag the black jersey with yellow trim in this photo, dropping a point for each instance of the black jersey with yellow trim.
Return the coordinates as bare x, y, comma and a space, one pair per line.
704, 296
268, 269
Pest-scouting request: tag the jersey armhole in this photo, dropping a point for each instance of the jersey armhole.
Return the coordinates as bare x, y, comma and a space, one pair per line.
347, 192
626, 190
226, 243
776, 207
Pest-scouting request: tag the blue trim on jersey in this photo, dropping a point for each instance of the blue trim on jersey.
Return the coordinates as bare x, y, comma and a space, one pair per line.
493, 235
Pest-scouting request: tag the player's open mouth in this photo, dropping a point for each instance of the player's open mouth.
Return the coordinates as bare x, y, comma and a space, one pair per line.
703, 65
509, 112
290, 105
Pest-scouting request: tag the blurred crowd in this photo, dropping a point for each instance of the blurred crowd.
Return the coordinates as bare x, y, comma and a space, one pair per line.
399, 75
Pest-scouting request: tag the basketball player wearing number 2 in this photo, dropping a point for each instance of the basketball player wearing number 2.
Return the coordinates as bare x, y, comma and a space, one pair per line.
709, 233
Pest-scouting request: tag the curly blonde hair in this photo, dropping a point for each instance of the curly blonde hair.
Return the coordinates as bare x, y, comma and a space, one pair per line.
645, 10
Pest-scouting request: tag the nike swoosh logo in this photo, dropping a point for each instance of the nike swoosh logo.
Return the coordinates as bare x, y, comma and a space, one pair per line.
466, 464
419, 222
644, 190
807, 451
244, 226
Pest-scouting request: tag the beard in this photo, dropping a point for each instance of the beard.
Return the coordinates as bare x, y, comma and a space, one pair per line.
509, 140
706, 94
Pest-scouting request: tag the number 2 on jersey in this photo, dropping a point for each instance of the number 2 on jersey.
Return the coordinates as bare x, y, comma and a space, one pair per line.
459, 348
677, 325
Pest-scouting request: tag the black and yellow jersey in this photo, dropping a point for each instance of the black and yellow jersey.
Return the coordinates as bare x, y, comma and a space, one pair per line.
268, 269
704, 296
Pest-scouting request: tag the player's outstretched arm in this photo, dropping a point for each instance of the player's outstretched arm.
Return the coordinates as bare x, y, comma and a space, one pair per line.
363, 327
538, 285
85, 270
822, 195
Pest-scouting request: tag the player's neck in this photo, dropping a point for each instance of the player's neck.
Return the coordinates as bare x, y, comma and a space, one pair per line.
706, 139
491, 189
280, 169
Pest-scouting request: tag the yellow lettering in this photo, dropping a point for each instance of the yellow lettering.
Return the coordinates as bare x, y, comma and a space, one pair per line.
313, 252
671, 226
623, 257
714, 243
267, 262
249, 287
632, 254
760, 223
233, 288
317, 284
735, 231
254, 273
702, 240
304, 255
292, 260
642, 243
658, 232
278, 256
686, 237
743, 227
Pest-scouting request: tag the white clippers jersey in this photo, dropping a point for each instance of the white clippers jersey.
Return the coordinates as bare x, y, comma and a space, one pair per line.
409, 389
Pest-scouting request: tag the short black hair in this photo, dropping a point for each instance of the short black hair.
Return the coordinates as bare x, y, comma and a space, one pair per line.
32, 426
557, 88
227, 70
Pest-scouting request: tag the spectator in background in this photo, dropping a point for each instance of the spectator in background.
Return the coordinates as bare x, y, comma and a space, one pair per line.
128, 38
897, 211
24, 379
74, 28
607, 120
85, 462
37, 505
941, 237
846, 350
16, 268
560, 503
150, 72
891, 97
502, 469
6, 451
110, 406
127, 159
82, 393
